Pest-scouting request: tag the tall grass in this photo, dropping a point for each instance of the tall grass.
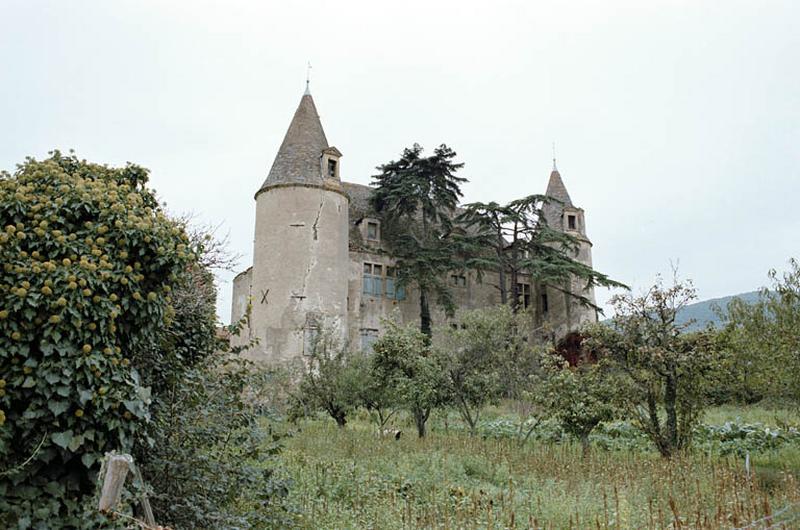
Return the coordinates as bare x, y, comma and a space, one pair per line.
352, 478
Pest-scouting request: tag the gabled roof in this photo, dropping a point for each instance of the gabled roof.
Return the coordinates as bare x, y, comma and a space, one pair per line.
298, 159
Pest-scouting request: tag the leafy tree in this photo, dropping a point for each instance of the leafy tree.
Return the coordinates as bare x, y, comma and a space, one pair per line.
211, 463
88, 264
474, 355
205, 456
578, 398
664, 377
374, 393
764, 338
521, 243
402, 360
330, 380
416, 198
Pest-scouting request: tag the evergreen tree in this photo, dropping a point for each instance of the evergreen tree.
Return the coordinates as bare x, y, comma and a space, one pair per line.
521, 242
416, 197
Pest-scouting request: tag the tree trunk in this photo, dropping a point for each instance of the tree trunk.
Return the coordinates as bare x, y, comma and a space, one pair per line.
339, 416
424, 314
515, 289
421, 418
501, 270
670, 405
585, 447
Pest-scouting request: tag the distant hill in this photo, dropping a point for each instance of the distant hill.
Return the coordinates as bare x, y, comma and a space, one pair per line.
703, 312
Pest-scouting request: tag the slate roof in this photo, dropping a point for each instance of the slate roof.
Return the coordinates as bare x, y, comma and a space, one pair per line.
553, 213
298, 159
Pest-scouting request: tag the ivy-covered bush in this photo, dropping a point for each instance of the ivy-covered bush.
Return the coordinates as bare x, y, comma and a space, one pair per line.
88, 263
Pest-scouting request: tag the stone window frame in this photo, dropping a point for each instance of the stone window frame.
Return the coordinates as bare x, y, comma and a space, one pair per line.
368, 337
458, 280
384, 277
524, 290
330, 155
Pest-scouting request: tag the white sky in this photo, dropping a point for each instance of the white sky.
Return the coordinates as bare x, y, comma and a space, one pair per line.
677, 123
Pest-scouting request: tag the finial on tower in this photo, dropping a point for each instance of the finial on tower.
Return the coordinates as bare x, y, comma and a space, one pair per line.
308, 80
554, 157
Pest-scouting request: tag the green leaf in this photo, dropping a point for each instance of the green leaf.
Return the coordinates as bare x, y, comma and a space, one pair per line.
29, 382
76, 442
58, 407
84, 396
62, 439
88, 459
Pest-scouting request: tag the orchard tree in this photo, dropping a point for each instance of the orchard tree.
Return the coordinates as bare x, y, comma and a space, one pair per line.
330, 379
765, 338
416, 198
579, 398
402, 361
483, 356
664, 377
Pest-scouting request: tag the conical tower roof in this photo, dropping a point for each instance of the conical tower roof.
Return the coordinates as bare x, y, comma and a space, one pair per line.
553, 212
557, 189
298, 159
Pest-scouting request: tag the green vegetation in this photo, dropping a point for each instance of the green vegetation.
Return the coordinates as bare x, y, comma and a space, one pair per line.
108, 343
354, 478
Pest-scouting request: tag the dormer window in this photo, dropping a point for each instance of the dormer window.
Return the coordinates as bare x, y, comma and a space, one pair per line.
372, 231
330, 163
571, 222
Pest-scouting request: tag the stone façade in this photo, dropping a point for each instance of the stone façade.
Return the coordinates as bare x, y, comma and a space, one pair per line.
318, 259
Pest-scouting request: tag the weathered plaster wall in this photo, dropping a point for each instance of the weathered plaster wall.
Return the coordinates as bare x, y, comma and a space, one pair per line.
300, 267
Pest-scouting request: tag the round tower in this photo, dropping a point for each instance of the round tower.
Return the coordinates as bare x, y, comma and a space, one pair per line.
560, 309
300, 254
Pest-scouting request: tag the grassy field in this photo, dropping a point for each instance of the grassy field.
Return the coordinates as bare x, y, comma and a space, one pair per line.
352, 478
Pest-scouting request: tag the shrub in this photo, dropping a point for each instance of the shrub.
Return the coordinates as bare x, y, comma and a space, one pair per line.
89, 260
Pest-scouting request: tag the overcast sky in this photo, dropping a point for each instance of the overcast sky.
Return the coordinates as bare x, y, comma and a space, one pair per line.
677, 123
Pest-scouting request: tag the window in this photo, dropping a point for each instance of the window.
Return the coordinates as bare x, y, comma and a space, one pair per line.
545, 307
393, 291
373, 279
332, 168
368, 338
374, 282
458, 280
310, 338
524, 291
571, 222
372, 231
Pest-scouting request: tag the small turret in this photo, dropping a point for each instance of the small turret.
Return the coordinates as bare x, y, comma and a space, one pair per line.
561, 312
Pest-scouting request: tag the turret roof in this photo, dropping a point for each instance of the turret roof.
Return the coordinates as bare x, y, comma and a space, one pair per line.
557, 189
298, 159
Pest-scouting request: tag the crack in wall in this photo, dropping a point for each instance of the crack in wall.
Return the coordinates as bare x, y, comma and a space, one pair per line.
319, 212
312, 247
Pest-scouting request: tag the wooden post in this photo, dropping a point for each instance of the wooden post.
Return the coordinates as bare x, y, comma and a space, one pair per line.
117, 467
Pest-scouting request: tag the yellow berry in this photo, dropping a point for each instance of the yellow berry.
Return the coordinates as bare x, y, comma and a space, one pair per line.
87, 348
54, 319
79, 413
3, 314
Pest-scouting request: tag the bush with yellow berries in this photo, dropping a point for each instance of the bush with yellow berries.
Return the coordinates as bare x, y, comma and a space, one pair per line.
87, 262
